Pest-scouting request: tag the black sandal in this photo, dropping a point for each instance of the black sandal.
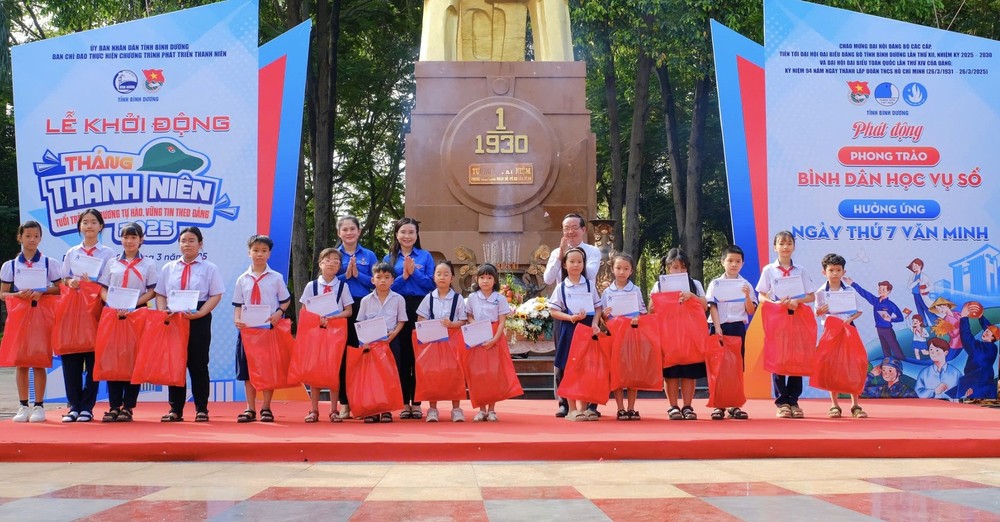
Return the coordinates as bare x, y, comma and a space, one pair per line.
634, 415
674, 413
201, 416
737, 413
371, 419
623, 415
688, 413
125, 415
111, 416
386, 417
172, 417
718, 414
266, 415
248, 415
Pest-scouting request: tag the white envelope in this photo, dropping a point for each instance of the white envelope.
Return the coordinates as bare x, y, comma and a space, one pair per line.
624, 304
182, 300
477, 333
122, 298
371, 330
84, 264
844, 302
674, 283
577, 302
34, 278
324, 305
729, 290
256, 316
791, 287
431, 330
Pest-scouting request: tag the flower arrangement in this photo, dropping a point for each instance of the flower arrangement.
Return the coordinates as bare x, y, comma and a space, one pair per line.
531, 320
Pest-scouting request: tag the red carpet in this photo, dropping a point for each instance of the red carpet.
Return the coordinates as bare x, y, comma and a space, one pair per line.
527, 431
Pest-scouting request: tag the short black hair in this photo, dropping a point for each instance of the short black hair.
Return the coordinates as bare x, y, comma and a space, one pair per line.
258, 239
383, 268
833, 259
733, 249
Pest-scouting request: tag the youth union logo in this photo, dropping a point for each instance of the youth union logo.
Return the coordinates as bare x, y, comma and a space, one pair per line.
125, 81
859, 92
914, 94
154, 79
886, 94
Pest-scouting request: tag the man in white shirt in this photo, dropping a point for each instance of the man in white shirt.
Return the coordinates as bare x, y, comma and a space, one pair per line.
574, 235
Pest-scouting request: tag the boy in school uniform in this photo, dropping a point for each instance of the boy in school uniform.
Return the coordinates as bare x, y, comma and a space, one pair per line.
833, 269
787, 388
731, 317
329, 283
388, 305
258, 286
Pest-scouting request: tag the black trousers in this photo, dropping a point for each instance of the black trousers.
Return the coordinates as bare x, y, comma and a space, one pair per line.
122, 393
406, 362
78, 377
787, 389
199, 343
352, 340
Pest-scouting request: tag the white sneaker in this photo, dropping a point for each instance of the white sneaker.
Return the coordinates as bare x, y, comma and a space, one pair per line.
345, 413
432, 415
457, 415
37, 414
480, 417
492, 416
22, 414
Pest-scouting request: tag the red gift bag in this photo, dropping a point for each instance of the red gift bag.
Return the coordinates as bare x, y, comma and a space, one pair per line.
841, 360
588, 374
438, 369
269, 352
373, 380
77, 312
116, 344
683, 329
162, 353
318, 352
635, 354
725, 372
490, 372
28, 333
789, 339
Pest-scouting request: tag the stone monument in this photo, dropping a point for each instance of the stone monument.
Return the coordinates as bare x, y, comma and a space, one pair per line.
499, 148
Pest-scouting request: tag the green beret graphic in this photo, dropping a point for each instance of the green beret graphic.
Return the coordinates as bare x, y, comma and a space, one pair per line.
167, 157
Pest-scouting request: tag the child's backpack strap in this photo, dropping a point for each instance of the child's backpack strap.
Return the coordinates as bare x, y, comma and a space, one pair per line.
340, 291
431, 304
562, 288
454, 306
315, 287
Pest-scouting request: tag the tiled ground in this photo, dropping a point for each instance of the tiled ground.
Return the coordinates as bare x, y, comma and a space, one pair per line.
765, 490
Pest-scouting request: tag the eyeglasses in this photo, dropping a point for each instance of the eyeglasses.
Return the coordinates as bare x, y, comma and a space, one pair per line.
571, 229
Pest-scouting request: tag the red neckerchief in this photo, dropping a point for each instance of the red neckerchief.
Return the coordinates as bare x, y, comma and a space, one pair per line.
186, 274
89, 251
255, 291
130, 267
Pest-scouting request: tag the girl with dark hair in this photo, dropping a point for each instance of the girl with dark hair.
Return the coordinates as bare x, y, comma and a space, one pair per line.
192, 272
684, 375
29, 235
130, 269
78, 368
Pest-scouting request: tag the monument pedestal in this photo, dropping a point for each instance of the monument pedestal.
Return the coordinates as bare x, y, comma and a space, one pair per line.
499, 151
